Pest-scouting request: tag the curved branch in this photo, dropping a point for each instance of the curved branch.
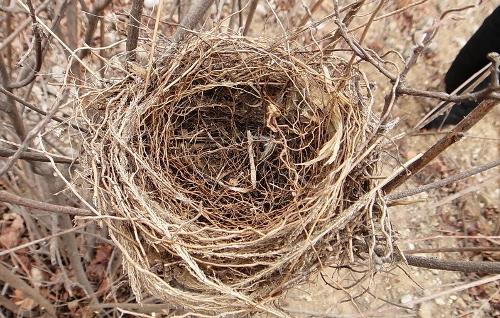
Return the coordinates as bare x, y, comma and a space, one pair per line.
38, 51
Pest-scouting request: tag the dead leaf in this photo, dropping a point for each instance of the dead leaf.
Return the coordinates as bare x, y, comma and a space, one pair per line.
25, 303
10, 234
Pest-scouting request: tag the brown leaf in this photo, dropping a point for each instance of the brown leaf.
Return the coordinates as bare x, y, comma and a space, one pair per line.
10, 234
25, 303
102, 254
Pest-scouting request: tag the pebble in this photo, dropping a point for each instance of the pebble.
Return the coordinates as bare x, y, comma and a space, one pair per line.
406, 299
425, 311
440, 301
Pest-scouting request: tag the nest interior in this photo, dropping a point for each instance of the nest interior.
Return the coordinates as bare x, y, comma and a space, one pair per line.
232, 172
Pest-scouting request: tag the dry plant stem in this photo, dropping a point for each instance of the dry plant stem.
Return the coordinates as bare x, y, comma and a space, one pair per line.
144, 308
449, 139
72, 23
443, 182
8, 27
133, 28
234, 15
453, 250
12, 279
192, 18
456, 266
42, 206
73, 253
346, 21
367, 27
43, 239
22, 26
29, 137
308, 14
38, 110
13, 112
9, 305
478, 282
37, 48
33, 156
251, 13
92, 26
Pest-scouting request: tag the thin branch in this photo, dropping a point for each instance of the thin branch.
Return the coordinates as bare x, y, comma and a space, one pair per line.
192, 18
133, 28
33, 156
93, 19
74, 255
38, 110
22, 26
443, 182
12, 279
251, 13
37, 32
43, 239
449, 139
479, 267
29, 137
477, 249
42, 206
145, 308
345, 21
13, 112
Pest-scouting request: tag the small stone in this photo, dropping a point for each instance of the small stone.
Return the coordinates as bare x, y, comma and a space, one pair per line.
406, 299
425, 310
440, 301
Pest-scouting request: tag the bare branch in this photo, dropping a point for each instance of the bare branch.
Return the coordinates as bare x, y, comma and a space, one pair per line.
38, 110
133, 28
443, 182
33, 156
192, 18
37, 33
479, 267
93, 19
22, 26
251, 13
12, 279
454, 249
29, 137
13, 112
43, 206
43, 239
449, 139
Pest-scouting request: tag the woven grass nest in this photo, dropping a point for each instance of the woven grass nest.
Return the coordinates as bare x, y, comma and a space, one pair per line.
241, 169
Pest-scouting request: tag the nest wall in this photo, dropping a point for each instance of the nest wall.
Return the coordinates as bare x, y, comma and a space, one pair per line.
233, 171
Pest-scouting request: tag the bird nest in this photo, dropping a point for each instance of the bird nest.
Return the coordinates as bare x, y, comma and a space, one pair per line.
233, 171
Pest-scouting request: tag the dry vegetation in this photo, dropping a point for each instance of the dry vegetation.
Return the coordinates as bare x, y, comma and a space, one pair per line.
209, 173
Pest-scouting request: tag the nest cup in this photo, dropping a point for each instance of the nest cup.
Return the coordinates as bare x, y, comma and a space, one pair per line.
232, 172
